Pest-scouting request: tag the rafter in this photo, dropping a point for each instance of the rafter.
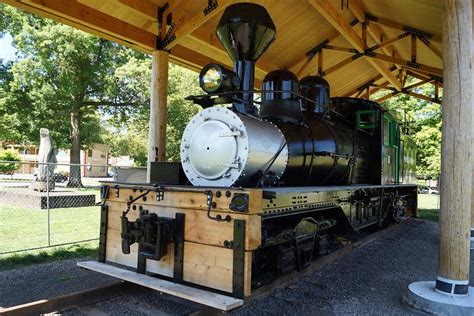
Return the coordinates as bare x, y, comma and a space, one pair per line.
326, 9
145, 8
407, 91
375, 31
191, 23
403, 27
362, 87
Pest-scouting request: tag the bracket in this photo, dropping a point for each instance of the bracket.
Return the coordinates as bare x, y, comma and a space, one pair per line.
163, 40
160, 194
211, 6
104, 210
238, 275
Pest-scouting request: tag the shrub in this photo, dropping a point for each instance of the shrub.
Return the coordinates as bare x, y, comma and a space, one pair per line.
9, 155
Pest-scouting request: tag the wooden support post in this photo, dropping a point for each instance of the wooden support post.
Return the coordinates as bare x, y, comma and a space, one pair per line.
472, 189
452, 294
456, 161
158, 108
320, 62
413, 48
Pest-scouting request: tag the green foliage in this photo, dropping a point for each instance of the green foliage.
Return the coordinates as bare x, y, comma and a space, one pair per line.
9, 155
425, 122
60, 70
131, 133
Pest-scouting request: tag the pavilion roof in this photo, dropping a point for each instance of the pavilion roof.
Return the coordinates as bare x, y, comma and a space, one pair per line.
337, 38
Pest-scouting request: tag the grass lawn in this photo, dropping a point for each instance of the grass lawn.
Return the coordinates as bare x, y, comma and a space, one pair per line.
26, 258
23, 228
428, 206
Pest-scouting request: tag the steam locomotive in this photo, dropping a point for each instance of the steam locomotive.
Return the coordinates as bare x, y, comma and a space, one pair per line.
272, 178
295, 135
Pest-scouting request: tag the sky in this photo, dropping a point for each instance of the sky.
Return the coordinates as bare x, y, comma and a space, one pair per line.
7, 52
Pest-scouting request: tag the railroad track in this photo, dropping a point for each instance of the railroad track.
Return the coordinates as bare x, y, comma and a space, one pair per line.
83, 301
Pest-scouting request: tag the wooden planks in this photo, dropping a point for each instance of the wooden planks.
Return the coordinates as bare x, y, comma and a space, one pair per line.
188, 198
215, 300
207, 258
198, 228
134, 23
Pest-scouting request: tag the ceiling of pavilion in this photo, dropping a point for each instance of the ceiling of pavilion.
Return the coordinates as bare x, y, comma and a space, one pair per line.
336, 38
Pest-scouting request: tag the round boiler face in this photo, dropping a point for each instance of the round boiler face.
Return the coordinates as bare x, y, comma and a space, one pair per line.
211, 154
214, 148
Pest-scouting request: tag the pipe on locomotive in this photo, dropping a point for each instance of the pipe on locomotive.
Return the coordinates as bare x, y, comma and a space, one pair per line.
288, 143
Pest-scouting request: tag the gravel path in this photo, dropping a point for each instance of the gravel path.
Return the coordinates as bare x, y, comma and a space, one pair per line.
369, 280
47, 280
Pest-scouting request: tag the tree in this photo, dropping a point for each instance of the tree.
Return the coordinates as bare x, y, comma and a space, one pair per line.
9, 155
131, 128
62, 78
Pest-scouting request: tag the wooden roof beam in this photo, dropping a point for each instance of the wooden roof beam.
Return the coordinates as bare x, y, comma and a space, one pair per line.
403, 27
189, 24
80, 16
326, 9
374, 30
145, 8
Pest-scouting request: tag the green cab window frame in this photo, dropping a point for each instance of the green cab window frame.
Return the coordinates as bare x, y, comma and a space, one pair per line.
366, 119
390, 131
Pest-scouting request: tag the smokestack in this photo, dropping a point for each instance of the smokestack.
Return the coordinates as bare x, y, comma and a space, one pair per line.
246, 30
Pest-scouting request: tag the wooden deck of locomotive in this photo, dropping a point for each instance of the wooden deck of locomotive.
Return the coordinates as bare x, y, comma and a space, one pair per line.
208, 256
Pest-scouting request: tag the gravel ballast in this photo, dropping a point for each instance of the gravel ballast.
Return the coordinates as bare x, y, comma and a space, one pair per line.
371, 279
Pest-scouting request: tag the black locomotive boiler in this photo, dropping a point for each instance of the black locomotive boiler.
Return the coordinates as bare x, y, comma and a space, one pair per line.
268, 181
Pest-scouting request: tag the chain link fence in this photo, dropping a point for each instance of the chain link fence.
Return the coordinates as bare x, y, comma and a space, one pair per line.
46, 205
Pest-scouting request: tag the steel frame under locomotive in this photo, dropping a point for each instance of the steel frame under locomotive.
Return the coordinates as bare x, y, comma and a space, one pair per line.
265, 189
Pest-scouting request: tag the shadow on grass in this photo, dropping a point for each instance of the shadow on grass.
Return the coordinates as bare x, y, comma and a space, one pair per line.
429, 214
39, 256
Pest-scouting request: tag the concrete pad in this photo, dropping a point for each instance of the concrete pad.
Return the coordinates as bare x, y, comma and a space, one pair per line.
422, 296
39, 200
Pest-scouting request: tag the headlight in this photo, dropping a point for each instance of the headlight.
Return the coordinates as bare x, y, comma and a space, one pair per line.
215, 78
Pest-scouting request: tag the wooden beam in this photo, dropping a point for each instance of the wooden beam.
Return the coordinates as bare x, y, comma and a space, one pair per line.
331, 14
190, 24
421, 96
374, 30
339, 65
426, 77
387, 96
456, 149
433, 48
413, 48
309, 55
158, 109
214, 300
403, 27
320, 63
81, 15
144, 7
407, 63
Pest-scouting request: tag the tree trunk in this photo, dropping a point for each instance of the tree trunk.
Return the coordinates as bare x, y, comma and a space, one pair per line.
75, 154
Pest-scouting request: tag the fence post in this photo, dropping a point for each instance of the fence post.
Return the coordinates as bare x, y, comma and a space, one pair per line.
48, 178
